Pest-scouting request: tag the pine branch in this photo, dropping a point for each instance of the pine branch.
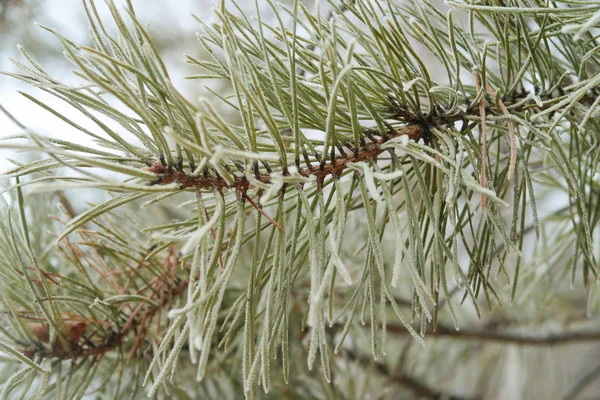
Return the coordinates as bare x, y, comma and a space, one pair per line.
81, 347
338, 93
419, 127
369, 152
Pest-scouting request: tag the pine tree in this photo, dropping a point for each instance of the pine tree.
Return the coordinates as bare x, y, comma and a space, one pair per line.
357, 218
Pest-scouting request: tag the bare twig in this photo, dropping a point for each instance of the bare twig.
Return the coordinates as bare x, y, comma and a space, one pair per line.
553, 339
419, 388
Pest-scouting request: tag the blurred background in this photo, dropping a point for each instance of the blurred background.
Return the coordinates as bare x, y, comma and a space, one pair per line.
501, 370
171, 23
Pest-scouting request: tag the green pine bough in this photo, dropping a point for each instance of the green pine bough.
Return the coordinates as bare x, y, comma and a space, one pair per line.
373, 174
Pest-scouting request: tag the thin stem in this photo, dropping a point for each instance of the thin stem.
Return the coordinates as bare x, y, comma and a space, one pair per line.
553, 339
419, 388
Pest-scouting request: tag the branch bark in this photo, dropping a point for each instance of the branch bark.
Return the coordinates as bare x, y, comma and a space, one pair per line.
370, 151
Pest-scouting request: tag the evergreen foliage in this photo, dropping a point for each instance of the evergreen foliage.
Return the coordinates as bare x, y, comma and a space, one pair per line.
351, 195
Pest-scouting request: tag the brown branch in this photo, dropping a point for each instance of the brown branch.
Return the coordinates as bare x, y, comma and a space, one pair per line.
370, 151
553, 339
418, 127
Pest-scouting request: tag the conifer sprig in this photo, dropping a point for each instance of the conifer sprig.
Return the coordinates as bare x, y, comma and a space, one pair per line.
348, 185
